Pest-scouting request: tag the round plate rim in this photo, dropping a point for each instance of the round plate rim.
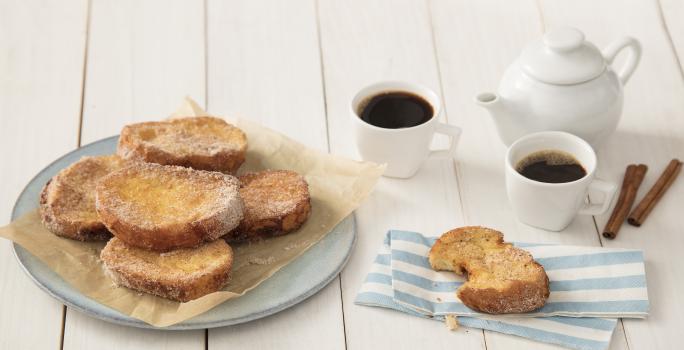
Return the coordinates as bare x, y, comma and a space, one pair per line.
19, 253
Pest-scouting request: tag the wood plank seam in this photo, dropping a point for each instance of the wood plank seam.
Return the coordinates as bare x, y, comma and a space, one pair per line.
455, 166
663, 23
322, 69
205, 5
63, 325
428, 3
454, 163
79, 133
540, 12
83, 76
327, 138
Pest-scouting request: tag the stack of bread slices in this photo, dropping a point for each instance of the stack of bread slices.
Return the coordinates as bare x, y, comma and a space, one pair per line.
168, 205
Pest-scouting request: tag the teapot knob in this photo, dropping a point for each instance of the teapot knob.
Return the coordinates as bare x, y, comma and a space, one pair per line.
563, 39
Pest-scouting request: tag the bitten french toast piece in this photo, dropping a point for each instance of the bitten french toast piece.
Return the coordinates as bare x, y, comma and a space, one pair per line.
203, 143
67, 201
160, 207
501, 278
181, 275
276, 202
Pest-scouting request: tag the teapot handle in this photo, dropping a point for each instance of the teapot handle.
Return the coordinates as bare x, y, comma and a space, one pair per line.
634, 55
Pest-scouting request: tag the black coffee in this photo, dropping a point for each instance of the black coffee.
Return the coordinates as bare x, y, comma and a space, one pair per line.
551, 166
396, 110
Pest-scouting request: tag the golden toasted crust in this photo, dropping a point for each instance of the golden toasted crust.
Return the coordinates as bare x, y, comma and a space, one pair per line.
203, 143
276, 202
181, 275
501, 278
162, 207
67, 201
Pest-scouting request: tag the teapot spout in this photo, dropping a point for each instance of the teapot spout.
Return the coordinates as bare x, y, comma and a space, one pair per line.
491, 102
496, 107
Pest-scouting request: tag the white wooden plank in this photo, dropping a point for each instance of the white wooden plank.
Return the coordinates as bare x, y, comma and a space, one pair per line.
476, 41
85, 332
652, 132
263, 64
364, 42
41, 67
296, 328
143, 58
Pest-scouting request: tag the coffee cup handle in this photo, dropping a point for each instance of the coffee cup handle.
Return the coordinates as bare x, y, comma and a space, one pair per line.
454, 133
607, 189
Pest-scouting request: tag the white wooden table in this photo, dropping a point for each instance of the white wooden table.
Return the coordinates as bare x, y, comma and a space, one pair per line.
72, 72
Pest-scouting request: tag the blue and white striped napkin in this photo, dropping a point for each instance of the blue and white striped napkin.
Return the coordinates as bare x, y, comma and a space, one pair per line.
586, 283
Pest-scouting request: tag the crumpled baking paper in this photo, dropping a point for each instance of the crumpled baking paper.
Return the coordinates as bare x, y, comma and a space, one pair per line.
337, 186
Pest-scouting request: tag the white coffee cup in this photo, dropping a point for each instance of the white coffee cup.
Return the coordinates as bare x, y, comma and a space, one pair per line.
552, 206
403, 150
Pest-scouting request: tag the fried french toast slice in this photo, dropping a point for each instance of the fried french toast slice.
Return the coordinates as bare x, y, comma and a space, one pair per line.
501, 278
276, 202
182, 274
67, 201
203, 143
160, 207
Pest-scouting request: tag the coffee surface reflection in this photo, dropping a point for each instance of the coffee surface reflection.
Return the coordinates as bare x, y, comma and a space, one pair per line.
395, 110
551, 166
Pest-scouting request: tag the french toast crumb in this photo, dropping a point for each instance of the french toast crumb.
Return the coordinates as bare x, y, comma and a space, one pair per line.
261, 261
295, 245
451, 322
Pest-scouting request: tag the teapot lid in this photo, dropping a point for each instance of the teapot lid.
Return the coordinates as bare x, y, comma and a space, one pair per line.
562, 57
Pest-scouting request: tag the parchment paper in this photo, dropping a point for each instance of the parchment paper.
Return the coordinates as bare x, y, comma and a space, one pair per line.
337, 186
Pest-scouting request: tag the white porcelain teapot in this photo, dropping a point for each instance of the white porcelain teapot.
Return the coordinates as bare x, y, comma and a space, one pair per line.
565, 83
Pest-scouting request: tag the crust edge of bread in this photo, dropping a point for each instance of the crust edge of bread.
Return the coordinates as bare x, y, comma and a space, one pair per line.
83, 231
129, 147
518, 297
174, 289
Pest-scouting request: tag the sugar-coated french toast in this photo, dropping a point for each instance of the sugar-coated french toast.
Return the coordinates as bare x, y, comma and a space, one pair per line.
162, 207
203, 143
181, 274
501, 278
67, 201
276, 202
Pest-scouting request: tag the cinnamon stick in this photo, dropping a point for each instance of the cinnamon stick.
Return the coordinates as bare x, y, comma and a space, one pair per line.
634, 175
640, 213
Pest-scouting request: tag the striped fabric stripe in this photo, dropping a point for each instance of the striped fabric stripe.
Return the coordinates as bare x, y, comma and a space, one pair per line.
591, 285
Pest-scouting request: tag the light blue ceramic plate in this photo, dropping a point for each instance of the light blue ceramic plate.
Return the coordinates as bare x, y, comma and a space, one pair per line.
297, 281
